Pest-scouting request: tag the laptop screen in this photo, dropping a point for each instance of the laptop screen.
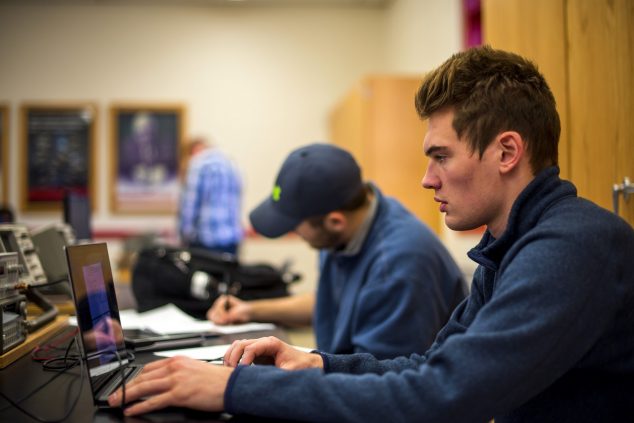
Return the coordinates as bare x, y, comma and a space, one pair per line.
97, 311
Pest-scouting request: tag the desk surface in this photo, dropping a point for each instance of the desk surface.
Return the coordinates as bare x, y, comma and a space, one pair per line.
21, 378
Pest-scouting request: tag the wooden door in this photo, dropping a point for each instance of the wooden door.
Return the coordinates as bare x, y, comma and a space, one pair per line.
535, 29
378, 123
348, 127
601, 92
584, 48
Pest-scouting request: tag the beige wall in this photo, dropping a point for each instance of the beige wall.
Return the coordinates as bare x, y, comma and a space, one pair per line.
421, 34
261, 81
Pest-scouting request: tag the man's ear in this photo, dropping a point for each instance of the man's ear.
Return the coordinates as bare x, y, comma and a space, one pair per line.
512, 150
335, 221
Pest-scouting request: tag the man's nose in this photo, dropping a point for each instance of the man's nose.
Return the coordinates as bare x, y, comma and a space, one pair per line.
430, 181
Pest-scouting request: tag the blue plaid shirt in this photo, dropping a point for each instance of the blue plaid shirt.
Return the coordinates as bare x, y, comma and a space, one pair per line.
211, 201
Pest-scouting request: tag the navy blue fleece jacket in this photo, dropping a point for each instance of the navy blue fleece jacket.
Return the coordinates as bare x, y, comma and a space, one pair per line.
546, 335
393, 296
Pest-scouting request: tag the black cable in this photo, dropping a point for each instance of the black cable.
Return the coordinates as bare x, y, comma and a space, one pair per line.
51, 283
122, 376
35, 391
50, 363
16, 404
46, 366
41, 285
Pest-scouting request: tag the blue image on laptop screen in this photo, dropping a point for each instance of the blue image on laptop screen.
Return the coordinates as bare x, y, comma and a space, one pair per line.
100, 315
97, 311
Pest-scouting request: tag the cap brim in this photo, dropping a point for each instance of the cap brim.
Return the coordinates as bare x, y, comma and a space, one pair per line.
266, 220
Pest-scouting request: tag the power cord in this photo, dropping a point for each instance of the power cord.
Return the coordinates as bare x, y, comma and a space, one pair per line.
55, 282
36, 357
67, 361
60, 370
43, 352
122, 376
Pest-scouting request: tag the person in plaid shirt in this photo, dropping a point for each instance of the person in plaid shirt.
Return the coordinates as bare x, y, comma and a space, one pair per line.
210, 207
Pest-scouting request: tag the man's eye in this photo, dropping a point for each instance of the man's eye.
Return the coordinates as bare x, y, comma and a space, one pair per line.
440, 159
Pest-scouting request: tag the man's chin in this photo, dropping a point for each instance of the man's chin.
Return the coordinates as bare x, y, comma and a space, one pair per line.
459, 226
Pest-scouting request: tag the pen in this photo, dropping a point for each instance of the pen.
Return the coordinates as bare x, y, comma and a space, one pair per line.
227, 305
223, 289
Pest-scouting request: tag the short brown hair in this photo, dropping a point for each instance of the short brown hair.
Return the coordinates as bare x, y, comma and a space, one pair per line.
492, 91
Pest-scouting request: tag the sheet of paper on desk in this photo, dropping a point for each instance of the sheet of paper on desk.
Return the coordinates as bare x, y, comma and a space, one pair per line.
169, 319
213, 352
131, 319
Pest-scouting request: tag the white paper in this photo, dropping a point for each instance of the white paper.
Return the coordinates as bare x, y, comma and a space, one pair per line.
214, 352
169, 319
244, 327
131, 319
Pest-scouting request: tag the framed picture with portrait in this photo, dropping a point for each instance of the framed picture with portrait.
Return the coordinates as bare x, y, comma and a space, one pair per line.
145, 156
4, 151
57, 153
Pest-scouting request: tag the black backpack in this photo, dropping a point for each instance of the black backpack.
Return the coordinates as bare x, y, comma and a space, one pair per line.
163, 274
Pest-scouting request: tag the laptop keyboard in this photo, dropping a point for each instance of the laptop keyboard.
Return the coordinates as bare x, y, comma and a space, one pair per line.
105, 384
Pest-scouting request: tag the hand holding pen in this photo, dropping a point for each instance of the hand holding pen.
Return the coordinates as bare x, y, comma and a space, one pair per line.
228, 309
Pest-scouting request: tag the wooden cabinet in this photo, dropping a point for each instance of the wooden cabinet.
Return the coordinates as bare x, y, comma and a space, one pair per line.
601, 97
377, 122
584, 49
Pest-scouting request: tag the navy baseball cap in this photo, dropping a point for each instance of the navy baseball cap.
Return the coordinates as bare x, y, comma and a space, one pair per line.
314, 180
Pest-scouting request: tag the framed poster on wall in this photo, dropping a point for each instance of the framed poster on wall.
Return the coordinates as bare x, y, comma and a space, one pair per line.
145, 157
57, 153
4, 151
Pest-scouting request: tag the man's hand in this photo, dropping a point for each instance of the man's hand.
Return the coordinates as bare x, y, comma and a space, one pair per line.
228, 309
176, 381
282, 355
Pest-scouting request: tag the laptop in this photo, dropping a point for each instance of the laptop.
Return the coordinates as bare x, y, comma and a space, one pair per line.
101, 340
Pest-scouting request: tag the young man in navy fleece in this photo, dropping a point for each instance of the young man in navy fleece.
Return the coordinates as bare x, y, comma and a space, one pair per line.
547, 333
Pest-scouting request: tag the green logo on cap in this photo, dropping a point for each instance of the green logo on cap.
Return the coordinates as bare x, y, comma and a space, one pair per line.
277, 191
